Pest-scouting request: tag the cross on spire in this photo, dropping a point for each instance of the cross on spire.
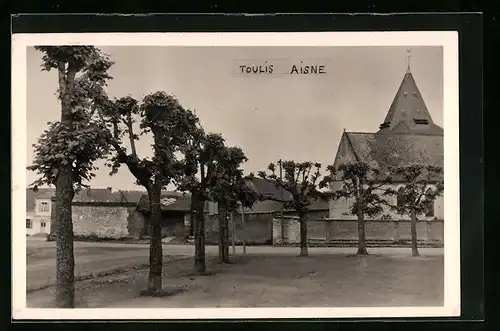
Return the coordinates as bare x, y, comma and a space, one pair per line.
408, 58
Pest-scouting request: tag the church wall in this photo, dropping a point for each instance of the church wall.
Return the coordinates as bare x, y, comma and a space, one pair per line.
344, 153
339, 209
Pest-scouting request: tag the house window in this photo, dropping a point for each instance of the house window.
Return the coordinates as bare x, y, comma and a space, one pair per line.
29, 224
401, 197
42, 224
43, 207
430, 206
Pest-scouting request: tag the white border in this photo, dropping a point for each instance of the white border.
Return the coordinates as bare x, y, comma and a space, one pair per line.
447, 39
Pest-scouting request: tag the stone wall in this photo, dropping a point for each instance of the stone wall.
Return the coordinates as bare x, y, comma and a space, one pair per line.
330, 231
105, 221
117, 220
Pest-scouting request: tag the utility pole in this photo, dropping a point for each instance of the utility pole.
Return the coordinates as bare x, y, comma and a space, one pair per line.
233, 230
243, 230
282, 223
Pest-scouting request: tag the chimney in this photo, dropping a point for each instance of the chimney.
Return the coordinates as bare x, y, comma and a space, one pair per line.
110, 189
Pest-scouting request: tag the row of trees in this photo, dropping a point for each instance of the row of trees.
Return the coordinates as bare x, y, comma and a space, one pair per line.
368, 188
93, 127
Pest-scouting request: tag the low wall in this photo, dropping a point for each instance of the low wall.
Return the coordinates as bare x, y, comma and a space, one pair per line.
330, 231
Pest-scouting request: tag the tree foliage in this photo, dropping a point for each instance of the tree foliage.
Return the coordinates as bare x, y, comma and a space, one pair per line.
229, 187
158, 114
364, 184
422, 185
79, 138
302, 180
200, 166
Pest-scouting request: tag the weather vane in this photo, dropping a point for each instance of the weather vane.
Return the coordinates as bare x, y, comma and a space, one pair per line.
408, 57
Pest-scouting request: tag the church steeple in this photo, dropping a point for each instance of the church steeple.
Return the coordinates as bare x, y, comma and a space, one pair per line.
408, 112
408, 58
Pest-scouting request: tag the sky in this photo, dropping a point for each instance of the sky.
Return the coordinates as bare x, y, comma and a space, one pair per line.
271, 117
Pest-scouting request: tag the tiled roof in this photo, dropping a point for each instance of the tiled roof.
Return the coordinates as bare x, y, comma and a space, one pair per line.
171, 201
408, 112
41, 193
128, 196
386, 150
85, 195
267, 189
94, 195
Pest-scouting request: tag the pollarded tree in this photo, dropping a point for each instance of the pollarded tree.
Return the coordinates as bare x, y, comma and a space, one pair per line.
199, 168
362, 183
66, 150
303, 181
229, 190
422, 185
170, 125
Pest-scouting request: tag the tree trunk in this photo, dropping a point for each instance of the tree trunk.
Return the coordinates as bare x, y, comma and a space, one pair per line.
303, 234
226, 237
199, 238
65, 259
223, 235
361, 234
413, 230
155, 247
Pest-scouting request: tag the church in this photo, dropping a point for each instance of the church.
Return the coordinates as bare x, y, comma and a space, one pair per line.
407, 135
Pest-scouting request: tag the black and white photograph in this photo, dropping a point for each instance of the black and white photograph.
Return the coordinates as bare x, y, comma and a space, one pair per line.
236, 175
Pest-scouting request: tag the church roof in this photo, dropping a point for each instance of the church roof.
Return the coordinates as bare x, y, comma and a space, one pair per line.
407, 136
408, 112
386, 150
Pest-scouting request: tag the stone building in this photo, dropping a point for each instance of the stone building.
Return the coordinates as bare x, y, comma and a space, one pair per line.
407, 135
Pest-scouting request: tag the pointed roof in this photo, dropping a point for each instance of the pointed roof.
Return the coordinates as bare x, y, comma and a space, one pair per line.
383, 151
408, 112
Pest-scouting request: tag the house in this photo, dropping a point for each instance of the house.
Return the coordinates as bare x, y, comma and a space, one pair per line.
176, 214
407, 135
273, 194
38, 211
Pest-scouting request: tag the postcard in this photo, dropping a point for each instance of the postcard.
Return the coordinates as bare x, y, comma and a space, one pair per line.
235, 175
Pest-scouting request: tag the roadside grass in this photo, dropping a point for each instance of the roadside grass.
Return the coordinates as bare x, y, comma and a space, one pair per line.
270, 281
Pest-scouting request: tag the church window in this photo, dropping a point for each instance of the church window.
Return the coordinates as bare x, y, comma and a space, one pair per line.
420, 121
430, 206
401, 197
385, 125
